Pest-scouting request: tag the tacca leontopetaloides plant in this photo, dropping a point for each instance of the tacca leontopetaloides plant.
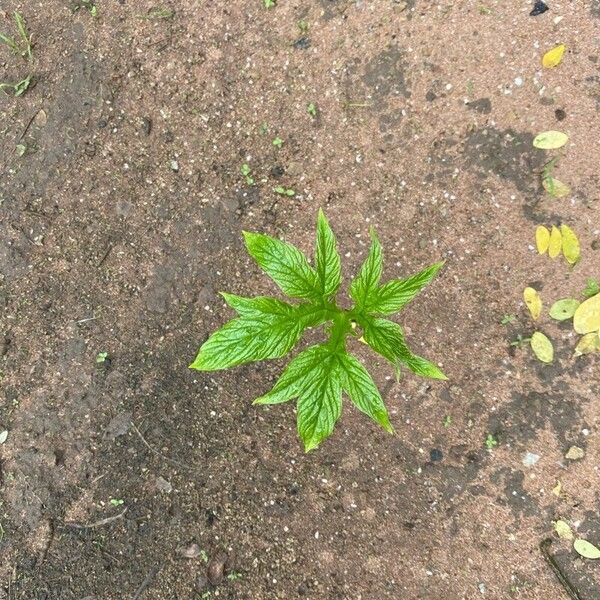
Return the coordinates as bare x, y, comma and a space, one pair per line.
269, 328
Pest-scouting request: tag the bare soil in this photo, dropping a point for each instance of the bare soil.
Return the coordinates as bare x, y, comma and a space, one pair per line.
122, 220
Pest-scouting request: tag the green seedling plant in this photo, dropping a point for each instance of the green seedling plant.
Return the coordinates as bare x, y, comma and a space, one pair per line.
591, 288
247, 173
268, 328
19, 88
284, 191
311, 109
24, 47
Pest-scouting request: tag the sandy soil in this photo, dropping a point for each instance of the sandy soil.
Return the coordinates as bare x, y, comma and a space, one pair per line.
121, 212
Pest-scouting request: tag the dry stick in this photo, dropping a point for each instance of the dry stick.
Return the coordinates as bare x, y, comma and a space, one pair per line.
569, 588
97, 523
29, 124
171, 460
147, 581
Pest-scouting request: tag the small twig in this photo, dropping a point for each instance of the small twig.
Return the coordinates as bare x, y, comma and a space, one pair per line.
147, 581
567, 585
86, 320
28, 125
105, 255
155, 451
100, 523
356, 105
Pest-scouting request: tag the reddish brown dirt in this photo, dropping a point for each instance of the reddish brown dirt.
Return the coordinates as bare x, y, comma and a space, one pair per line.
421, 132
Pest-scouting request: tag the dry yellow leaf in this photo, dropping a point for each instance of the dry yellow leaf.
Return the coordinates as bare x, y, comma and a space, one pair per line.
553, 57
563, 529
555, 244
542, 347
590, 342
570, 245
542, 239
587, 316
557, 489
533, 302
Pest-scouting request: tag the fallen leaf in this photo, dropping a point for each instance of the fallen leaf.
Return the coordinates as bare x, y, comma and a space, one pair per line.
553, 57
550, 140
563, 530
533, 302
590, 342
586, 549
542, 239
575, 453
555, 187
587, 316
570, 245
555, 245
542, 347
557, 489
3, 436
564, 309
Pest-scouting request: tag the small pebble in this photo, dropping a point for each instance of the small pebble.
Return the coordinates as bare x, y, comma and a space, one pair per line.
201, 583
539, 8
174, 166
530, 459
302, 43
191, 551
560, 114
435, 455
575, 453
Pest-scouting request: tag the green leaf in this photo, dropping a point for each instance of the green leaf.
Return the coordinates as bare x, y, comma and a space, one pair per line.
363, 392
395, 294
327, 259
564, 309
586, 549
268, 328
297, 376
542, 347
364, 286
592, 288
285, 264
386, 338
550, 140
314, 378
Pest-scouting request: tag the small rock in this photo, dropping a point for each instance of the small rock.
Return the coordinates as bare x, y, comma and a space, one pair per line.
560, 114
41, 118
162, 485
482, 105
146, 125
435, 455
302, 43
174, 166
3, 436
575, 453
201, 583
216, 568
191, 551
539, 8
118, 425
530, 459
